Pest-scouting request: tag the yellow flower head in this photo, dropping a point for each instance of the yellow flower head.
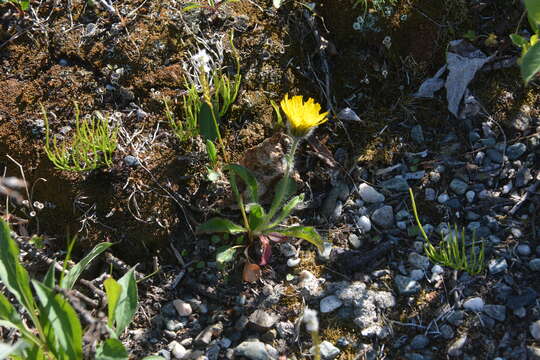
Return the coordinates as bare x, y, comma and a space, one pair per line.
302, 116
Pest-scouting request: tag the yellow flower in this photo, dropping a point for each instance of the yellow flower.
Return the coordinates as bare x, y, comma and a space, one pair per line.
302, 116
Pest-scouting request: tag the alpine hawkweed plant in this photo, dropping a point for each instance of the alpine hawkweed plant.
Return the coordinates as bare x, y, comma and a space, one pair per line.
258, 224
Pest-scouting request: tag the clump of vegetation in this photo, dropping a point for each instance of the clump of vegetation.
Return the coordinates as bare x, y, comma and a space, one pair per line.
56, 331
91, 147
23, 4
530, 48
453, 250
258, 224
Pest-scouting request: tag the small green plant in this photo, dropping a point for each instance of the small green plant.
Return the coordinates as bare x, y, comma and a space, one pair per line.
453, 250
91, 147
56, 331
530, 48
23, 4
259, 224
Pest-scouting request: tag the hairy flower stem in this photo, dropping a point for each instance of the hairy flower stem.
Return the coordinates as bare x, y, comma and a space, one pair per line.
281, 192
316, 344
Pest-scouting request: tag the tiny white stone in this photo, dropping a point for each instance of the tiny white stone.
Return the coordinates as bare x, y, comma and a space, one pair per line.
182, 307
292, 262
177, 350
437, 269
330, 303
535, 330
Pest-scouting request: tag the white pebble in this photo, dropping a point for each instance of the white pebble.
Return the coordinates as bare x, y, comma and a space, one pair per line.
292, 262
182, 307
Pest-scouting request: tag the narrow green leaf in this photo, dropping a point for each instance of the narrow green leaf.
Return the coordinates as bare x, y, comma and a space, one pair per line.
8, 313
12, 274
73, 274
248, 178
127, 304
220, 225
113, 290
287, 209
111, 349
212, 151
207, 126
225, 254
286, 187
63, 319
50, 280
256, 216
518, 40
530, 63
304, 232
533, 12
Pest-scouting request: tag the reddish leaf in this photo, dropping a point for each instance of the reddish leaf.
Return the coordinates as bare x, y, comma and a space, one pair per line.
252, 272
266, 250
277, 237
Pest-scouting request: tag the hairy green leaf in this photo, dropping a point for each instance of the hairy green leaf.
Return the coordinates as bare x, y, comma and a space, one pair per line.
257, 217
111, 349
127, 304
73, 274
63, 319
207, 126
113, 290
304, 232
220, 225
530, 63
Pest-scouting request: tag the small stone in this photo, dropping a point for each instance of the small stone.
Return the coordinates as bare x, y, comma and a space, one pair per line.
262, 320
458, 186
523, 177
496, 266
397, 184
417, 274
534, 264
348, 114
355, 241
522, 121
287, 249
417, 134
131, 161
205, 337
330, 303
516, 150
456, 348
253, 350
406, 285
533, 353
446, 331
495, 156
443, 198
177, 350
520, 312
324, 254
524, 250
437, 269
475, 304
225, 343
470, 195
418, 261
535, 329
419, 342
363, 223
327, 350
430, 194
369, 194
293, 262
285, 329
456, 317
182, 308
383, 216
497, 312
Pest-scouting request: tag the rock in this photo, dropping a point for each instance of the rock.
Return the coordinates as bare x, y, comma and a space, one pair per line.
418, 261
309, 285
417, 134
225, 343
497, 312
327, 350
355, 241
456, 348
406, 285
516, 150
446, 331
131, 161
285, 329
496, 266
384, 216
535, 330
534, 264
324, 254
417, 274
523, 177
383, 299
333, 203
470, 195
456, 317
522, 121
430, 194
363, 223
443, 198
475, 304
253, 350
293, 262
533, 353
458, 186
262, 320
526, 298
177, 350
397, 184
369, 194
182, 308
495, 156
348, 114
524, 250
205, 337
419, 342
330, 303
287, 249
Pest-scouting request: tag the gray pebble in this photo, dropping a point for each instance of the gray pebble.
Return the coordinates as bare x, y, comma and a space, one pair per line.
430, 194
470, 195
516, 150
443, 198
497, 312
524, 250
419, 342
369, 194
397, 184
496, 266
458, 186
418, 261
495, 156
406, 285
446, 331
383, 216
534, 264
456, 347
330, 303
